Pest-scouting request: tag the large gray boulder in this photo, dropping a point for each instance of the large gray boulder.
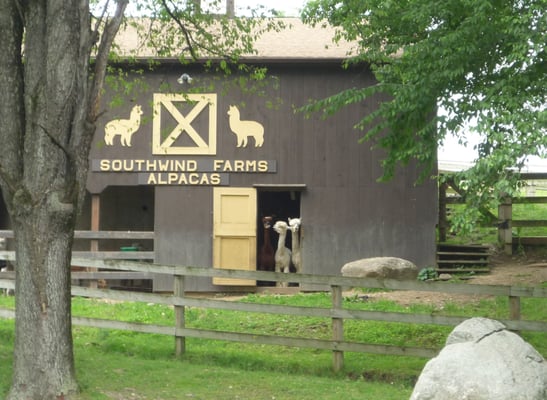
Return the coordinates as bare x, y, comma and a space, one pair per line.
483, 361
381, 267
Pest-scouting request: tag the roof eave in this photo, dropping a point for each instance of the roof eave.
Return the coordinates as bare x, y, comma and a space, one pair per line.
244, 60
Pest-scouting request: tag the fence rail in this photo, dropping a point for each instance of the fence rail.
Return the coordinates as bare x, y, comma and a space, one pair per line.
504, 221
93, 236
105, 235
336, 313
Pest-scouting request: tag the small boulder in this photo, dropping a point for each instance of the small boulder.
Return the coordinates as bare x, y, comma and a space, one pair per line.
381, 267
445, 277
483, 361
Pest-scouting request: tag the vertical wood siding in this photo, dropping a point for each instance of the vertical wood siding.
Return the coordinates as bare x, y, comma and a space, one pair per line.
346, 213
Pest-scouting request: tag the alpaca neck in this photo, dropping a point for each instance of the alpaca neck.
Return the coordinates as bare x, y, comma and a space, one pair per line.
295, 242
267, 238
135, 116
281, 241
234, 115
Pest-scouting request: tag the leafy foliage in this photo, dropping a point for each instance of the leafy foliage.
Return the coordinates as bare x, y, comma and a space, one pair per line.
426, 274
201, 36
480, 62
189, 31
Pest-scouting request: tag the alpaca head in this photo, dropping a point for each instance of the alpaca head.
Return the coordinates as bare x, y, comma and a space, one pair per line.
267, 222
280, 227
294, 224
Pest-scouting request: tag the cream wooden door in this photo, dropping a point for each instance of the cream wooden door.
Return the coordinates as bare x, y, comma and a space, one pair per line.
234, 232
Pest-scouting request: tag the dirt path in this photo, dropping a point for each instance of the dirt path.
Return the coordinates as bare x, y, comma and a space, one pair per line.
506, 270
528, 270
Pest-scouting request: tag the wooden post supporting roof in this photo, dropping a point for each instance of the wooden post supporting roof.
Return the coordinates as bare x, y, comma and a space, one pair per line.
95, 225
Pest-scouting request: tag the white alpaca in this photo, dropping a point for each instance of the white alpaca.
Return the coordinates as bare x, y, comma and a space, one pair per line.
244, 129
294, 226
282, 254
123, 127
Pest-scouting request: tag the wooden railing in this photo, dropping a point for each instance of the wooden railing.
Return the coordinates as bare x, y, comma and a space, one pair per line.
507, 223
503, 221
336, 313
93, 275
98, 235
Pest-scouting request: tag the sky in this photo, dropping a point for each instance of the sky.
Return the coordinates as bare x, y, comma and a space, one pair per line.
290, 8
453, 156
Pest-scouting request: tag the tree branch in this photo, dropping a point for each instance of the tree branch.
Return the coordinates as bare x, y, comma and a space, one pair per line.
96, 30
187, 35
107, 38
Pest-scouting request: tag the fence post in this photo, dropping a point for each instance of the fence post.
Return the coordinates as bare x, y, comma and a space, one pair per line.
337, 328
178, 291
94, 243
505, 216
443, 221
514, 307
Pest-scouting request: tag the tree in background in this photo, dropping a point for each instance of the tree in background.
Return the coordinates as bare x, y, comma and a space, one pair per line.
54, 58
481, 63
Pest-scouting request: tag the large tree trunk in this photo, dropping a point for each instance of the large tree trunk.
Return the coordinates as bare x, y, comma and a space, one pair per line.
43, 358
47, 114
44, 200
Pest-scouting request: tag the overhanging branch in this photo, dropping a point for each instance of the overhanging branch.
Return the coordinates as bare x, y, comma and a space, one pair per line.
101, 60
185, 32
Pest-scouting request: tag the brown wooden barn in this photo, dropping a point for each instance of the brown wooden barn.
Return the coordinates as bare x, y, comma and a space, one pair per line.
202, 167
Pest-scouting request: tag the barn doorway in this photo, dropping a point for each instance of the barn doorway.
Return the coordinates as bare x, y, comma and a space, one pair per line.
279, 203
238, 230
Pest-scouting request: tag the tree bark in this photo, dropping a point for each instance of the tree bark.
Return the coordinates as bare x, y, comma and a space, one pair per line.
43, 202
43, 357
47, 117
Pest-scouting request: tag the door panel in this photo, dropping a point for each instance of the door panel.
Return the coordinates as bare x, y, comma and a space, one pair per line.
234, 232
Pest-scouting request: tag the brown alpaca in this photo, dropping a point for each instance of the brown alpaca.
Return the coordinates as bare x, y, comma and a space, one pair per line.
123, 127
266, 259
244, 129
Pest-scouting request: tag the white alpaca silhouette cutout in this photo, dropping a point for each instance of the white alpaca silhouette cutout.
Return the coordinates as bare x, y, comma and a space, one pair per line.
245, 129
123, 127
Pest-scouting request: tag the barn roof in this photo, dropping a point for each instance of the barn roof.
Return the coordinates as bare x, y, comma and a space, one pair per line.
297, 41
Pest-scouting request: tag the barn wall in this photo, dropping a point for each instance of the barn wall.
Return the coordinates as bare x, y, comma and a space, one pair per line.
183, 232
346, 213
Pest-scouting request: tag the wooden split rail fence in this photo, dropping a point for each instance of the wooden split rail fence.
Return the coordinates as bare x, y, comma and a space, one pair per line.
504, 221
93, 237
336, 313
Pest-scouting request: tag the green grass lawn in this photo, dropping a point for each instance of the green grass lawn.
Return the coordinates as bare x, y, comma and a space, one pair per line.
125, 365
